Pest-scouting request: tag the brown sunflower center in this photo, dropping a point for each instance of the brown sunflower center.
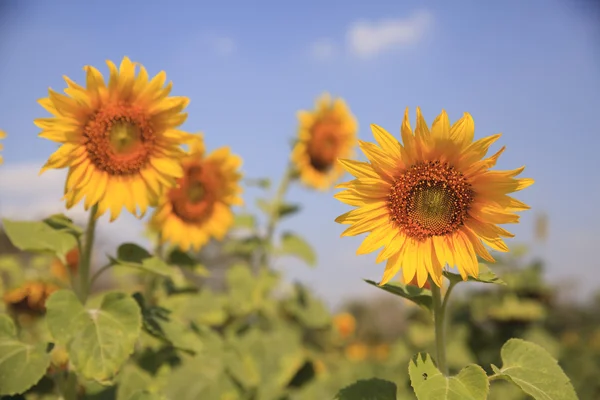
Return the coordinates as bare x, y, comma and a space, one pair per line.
430, 199
324, 144
119, 139
194, 199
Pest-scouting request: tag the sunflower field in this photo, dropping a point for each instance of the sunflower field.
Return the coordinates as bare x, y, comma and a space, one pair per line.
203, 314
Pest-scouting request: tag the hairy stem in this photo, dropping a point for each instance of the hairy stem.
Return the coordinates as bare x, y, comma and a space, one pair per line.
86, 256
438, 315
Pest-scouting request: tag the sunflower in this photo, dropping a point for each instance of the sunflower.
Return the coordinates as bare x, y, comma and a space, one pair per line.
431, 201
324, 135
2, 136
59, 270
200, 206
118, 140
345, 324
30, 298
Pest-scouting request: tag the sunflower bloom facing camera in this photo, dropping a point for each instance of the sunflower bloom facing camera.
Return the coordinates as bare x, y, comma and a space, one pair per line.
324, 135
118, 140
199, 208
431, 201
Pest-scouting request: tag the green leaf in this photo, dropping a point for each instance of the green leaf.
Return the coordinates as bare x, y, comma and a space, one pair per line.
429, 383
184, 260
157, 322
370, 389
308, 310
486, 275
63, 223
294, 245
534, 370
21, 365
98, 340
419, 296
263, 183
39, 236
280, 210
244, 221
145, 395
132, 255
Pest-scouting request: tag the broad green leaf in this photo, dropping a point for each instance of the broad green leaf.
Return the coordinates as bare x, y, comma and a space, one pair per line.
98, 340
371, 389
39, 236
429, 383
132, 255
157, 322
244, 246
244, 221
247, 293
184, 260
132, 379
486, 275
420, 296
63, 223
534, 370
294, 245
21, 365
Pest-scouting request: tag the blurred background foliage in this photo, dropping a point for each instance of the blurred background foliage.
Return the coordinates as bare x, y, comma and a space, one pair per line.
236, 331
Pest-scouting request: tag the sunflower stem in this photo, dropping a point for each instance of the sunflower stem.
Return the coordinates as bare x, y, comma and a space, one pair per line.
439, 310
86, 256
274, 214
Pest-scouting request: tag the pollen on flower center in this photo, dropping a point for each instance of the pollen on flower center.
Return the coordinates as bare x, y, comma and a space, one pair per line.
324, 144
119, 139
430, 199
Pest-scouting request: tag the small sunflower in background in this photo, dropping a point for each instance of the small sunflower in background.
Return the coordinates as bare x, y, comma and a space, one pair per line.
60, 270
199, 208
431, 201
2, 136
29, 298
324, 135
119, 140
345, 324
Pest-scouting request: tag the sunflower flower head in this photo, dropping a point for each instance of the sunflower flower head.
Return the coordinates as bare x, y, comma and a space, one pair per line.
2, 136
324, 135
61, 271
432, 201
199, 208
118, 139
345, 324
30, 298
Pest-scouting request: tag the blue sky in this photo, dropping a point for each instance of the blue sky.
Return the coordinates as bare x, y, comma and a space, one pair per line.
530, 70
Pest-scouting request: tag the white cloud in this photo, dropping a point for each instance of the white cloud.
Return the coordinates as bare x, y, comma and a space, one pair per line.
367, 39
323, 49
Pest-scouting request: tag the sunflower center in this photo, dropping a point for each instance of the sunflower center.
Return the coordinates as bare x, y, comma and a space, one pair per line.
193, 200
119, 139
430, 199
323, 147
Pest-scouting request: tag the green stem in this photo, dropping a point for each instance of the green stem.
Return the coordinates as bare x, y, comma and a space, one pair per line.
274, 212
86, 256
438, 315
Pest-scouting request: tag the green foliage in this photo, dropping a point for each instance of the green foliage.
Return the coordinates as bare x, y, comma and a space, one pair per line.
531, 368
22, 365
98, 340
486, 275
294, 245
372, 389
35, 236
134, 256
429, 383
245, 221
419, 296
278, 210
